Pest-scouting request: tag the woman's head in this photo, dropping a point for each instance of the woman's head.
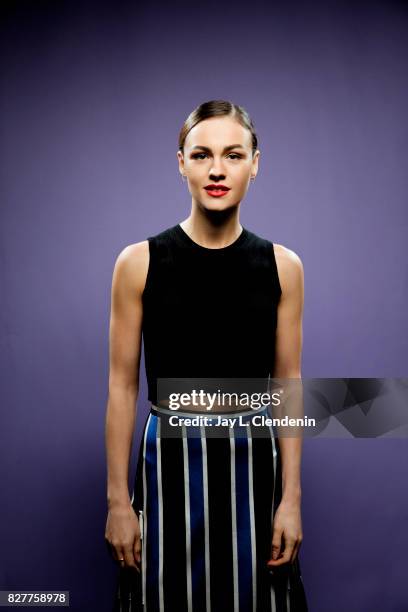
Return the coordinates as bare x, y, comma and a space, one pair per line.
218, 145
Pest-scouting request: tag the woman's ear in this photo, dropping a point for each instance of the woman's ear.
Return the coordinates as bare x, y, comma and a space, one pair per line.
181, 162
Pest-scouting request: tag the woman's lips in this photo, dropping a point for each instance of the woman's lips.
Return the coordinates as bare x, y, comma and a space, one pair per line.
217, 193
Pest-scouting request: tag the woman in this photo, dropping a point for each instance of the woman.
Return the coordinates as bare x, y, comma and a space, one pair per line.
214, 522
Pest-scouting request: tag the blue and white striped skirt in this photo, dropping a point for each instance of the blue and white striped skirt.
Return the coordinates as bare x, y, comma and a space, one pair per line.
206, 503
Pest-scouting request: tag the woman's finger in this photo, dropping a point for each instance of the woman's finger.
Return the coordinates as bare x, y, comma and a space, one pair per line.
137, 552
276, 544
115, 552
286, 555
295, 552
128, 555
118, 553
297, 547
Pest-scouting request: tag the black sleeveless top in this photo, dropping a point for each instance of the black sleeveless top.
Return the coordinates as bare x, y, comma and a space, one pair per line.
209, 312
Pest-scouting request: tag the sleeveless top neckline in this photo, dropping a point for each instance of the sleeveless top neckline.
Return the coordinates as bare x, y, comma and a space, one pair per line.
189, 241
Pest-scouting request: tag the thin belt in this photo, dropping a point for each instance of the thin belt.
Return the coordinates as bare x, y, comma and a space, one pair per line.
160, 410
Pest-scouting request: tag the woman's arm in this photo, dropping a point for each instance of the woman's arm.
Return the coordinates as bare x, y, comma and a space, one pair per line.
287, 521
128, 282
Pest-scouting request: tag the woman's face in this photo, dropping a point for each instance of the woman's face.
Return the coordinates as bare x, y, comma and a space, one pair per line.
218, 151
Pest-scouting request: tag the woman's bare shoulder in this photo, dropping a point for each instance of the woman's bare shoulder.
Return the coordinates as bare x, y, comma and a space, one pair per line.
289, 264
132, 264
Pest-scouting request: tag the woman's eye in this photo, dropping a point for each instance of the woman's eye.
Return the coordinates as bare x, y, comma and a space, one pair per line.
200, 155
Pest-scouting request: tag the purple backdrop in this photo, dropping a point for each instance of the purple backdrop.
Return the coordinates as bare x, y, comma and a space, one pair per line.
94, 95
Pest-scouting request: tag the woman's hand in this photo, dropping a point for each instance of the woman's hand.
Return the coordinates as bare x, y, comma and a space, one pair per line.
122, 534
287, 533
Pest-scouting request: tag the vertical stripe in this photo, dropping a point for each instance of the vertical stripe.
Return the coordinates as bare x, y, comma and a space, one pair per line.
141, 525
197, 528
287, 594
245, 570
120, 599
187, 519
279, 592
262, 461
152, 518
252, 519
143, 568
160, 512
274, 469
219, 513
234, 519
174, 523
273, 598
206, 520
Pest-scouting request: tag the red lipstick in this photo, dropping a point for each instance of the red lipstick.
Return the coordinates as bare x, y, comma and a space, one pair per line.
216, 191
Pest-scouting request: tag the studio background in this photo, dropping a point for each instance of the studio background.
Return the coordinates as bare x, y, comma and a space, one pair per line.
93, 97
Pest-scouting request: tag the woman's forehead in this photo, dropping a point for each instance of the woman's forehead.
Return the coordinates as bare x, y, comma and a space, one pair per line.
218, 132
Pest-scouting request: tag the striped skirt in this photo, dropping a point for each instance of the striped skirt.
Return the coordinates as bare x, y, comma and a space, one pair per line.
206, 502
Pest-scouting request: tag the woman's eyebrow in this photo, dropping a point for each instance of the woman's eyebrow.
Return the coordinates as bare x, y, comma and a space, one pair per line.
234, 146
